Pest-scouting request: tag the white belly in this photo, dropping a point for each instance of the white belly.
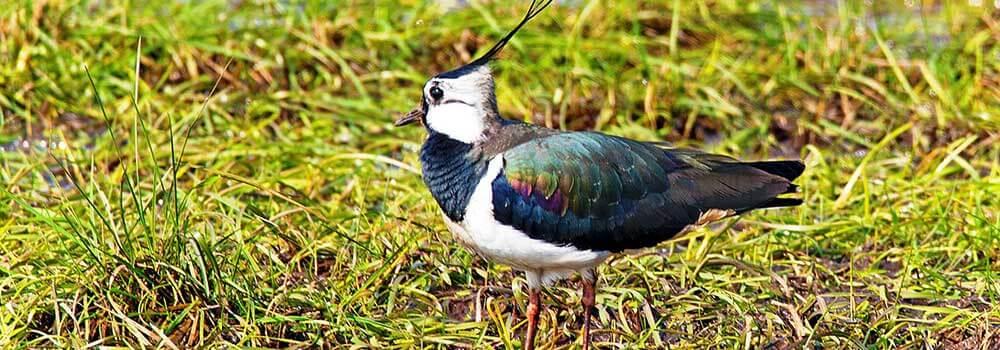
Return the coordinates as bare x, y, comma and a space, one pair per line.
505, 244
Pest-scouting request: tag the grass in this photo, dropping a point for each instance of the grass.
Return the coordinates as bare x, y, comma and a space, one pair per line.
177, 174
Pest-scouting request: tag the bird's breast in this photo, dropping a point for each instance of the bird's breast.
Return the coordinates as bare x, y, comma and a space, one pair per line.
451, 169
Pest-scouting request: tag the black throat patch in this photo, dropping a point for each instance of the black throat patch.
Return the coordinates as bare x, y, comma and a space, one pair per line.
451, 170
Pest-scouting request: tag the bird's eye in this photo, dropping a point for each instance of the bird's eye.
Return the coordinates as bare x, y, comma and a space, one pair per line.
436, 93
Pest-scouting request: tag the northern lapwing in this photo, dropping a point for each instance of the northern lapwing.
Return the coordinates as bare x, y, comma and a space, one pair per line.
553, 203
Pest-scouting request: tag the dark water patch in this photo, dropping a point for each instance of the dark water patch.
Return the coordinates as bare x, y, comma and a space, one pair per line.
22, 140
19, 135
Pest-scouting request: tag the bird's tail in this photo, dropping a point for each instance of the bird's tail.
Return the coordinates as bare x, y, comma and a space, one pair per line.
788, 169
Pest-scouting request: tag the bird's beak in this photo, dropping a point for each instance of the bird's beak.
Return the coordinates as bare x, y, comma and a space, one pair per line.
416, 114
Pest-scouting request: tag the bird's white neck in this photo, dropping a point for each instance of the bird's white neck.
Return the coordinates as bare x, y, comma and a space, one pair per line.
458, 121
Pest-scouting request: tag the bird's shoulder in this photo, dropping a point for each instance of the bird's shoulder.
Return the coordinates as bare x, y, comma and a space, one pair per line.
509, 134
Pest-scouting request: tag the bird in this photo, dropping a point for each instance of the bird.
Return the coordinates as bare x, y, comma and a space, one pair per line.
555, 203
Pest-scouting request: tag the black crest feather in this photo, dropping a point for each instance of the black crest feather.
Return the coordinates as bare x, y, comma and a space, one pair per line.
533, 10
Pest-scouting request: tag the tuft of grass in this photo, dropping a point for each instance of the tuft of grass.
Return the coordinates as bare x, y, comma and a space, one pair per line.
184, 174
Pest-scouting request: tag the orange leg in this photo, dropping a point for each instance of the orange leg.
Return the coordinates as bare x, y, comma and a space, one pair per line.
588, 308
533, 308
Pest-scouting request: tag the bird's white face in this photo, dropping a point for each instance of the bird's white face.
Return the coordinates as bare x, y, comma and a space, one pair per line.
458, 106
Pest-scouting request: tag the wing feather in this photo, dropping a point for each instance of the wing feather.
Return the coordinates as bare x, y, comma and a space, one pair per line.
595, 191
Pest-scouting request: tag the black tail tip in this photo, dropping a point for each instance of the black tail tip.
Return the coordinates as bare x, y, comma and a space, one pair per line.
782, 202
792, 188
788, 169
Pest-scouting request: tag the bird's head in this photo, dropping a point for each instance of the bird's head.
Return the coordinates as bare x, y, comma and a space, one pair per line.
461, 103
